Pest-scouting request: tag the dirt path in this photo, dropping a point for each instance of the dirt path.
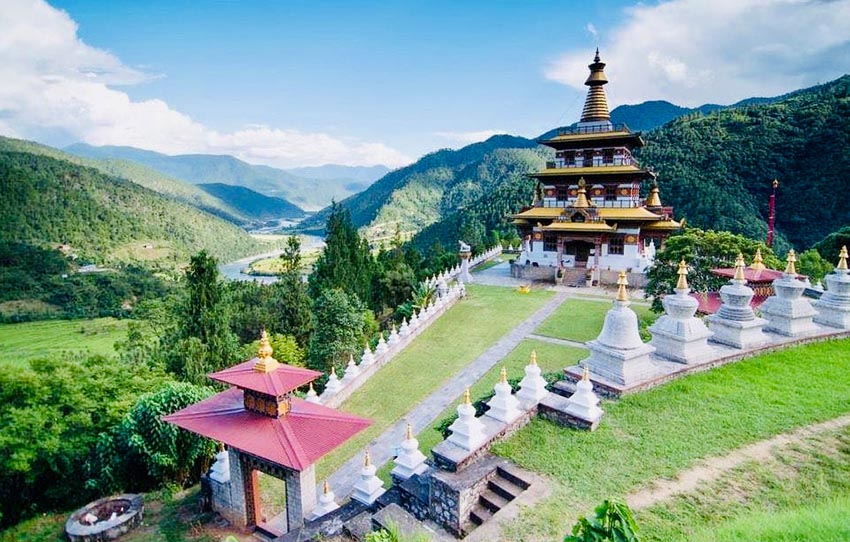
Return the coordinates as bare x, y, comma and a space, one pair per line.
713, 467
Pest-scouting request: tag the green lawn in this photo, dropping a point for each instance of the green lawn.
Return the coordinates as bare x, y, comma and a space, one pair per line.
21, 342
448, 345
665, 430
801, 493
581, 320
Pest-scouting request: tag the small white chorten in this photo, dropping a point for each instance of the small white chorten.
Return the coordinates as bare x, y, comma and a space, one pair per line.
532, 388
467, 430
410, 460
369, 487
584, 404
327, 503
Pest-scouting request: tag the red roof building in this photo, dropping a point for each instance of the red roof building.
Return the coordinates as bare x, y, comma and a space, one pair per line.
266, 428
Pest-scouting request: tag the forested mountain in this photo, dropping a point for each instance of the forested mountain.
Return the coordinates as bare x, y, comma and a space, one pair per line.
648, 115
252, 204
717, 169
105, 219
306, 193
438, 184
353, 178
139, 174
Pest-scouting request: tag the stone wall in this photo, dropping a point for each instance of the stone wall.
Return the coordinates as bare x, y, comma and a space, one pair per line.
529, 272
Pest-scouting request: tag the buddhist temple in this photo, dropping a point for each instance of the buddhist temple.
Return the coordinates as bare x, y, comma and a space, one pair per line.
591, 216
266, 428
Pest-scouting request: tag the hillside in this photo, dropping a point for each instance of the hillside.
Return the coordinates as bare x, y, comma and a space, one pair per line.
252, 204
306, 193
105, 219
433, 187
717, 169
137, 173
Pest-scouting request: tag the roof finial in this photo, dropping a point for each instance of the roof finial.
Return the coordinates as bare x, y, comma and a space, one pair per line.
408, 432
265, 362
466, 399
586, 374
739, 269
534, 357
596, 58
682, 284
758, 261
327, 488
596, 104
791, 259
581, 199
503, 376
654, 199
622, 282
842, 258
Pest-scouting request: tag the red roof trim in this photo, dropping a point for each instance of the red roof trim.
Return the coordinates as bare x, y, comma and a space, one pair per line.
279, 382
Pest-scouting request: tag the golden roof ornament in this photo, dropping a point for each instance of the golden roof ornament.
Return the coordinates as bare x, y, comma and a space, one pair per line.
466, 399
408, 432
596, 104
581, 200
265, 362
622, 282
503, 376
367, 460
654, 199
842, 258
586, 374
327, 488
534, 357
333, 371
682, 284
758, 261
791, 259
739, 269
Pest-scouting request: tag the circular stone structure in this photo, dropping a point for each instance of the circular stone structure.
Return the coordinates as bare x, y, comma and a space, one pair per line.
106, 519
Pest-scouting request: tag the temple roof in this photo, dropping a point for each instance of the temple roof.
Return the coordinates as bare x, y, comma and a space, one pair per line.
627, 213
592, 170
579, 226
296, 441
662, 225
541, 212
752, 276
606, 213
276, 383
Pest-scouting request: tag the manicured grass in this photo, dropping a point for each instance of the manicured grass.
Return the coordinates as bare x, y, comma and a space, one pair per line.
665, 430
21, 342
448, 345
581, 320
801, 493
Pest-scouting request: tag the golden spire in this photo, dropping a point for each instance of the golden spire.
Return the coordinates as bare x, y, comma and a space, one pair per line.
408, 433
265, 362
842, 258
739, 268
534, 357
503, 376
622, 282
581, 199
654, 199
466, 399
586, 374
327, 488
683, 276
367, 460
333, 371
758, 261
596, 104
790, 268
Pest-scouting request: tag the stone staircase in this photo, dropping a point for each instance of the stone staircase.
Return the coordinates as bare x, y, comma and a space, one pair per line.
572, 276
504, 487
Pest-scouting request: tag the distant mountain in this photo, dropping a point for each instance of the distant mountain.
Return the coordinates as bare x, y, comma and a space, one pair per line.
307, 193
649, 115
252, 204
415, 196
49, 201
329, 172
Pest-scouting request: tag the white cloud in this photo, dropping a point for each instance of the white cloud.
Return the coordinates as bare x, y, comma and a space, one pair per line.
692, 52
56, 86
591, 29
467, 138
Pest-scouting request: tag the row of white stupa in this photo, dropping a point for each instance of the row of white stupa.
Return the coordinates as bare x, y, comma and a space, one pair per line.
619, 355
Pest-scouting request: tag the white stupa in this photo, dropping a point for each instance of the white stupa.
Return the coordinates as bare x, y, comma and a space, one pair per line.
532, 388
584, 404
410, 460
735, 323
787, 311
326, 505
467, 430
834, 305
369, 487
504, 407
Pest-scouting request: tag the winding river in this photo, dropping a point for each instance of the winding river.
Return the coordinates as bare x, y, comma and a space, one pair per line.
233, 270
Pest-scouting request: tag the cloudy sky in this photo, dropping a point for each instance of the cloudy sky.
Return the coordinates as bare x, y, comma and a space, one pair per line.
308, 82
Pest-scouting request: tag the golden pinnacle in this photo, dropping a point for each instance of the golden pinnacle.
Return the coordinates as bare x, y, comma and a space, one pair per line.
682, 284
367, 460
466, 399
622, 282
758, 261
790, 268
842, 258
327, 488
534, 357
408, 433
503, 376
312, 390
586, 374
739, 268
333, 371
265, 351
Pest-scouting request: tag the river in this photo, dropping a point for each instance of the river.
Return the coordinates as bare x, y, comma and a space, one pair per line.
233, 270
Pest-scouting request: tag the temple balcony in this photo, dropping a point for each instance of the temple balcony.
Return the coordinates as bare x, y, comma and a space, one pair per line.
594, 129
560, 163
622, 203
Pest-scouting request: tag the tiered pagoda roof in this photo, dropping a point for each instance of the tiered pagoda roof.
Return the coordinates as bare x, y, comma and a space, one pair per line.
260, 415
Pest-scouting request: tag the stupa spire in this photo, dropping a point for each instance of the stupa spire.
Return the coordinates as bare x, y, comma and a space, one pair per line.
791, 259
682, 284
265, 362
622, 282
596, 104
654, 199
739, 269
758, 262
581, 200
842, 258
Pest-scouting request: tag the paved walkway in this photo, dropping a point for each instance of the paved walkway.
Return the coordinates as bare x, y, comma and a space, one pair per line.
423, 414
555, 340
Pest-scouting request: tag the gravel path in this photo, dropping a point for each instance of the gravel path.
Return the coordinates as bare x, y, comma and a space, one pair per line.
423, 414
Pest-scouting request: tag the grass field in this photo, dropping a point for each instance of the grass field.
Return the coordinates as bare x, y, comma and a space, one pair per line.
800, 493
21, 342
665, 430
448, 345
581, 320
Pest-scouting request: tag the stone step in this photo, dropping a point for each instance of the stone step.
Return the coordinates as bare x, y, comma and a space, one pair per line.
564, 388
479, 514
492, 500
512, 474
505, 488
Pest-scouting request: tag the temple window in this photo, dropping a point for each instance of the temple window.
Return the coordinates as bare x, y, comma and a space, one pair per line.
615, 246
611, 192
550, 243
608, 156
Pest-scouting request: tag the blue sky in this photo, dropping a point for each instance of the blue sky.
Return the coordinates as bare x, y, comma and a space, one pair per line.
310, 82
